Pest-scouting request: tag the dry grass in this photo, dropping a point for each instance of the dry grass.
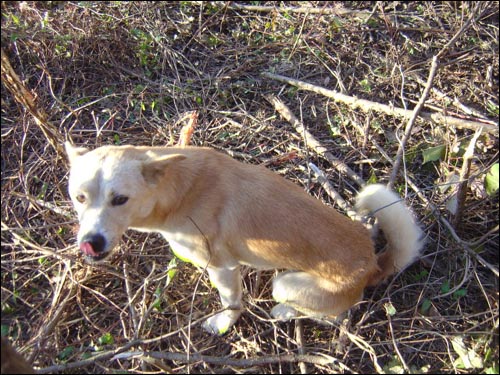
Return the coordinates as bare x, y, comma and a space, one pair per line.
127, 72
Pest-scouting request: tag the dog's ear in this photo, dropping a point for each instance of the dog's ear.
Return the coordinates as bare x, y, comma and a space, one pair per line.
73, 152
153, 169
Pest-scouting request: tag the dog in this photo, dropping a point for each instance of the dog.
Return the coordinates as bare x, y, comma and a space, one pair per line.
11, 361
220, 214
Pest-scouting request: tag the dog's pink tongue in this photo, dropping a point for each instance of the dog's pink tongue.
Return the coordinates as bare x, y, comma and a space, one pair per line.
86, 248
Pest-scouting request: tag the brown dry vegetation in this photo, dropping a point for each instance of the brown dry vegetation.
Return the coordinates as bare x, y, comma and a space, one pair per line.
129, 72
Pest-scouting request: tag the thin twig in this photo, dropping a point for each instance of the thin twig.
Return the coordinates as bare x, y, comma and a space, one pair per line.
466, 245
464, 179
457, 103
53, 315
411, 122
395, 344
459, 33
131, 298
423, 98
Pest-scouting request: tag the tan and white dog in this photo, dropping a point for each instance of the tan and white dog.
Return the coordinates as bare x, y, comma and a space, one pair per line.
220, 214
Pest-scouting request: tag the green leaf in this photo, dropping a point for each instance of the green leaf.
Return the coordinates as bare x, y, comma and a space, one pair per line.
459, 293
365, 85
15, 19
106, 339
445, 287
434, 153
172, 269
491, 180
394, 366
373, 178
5, 330
492, 370
66, 352
390, 309
7, 308
426, 305
157, 304
422, 275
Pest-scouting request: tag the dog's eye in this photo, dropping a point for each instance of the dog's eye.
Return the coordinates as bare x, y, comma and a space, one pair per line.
119, 200
80, 198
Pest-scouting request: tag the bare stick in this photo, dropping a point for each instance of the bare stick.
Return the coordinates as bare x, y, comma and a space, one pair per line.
367, 105
195, 357
411, 122
299, 337
312, 142
464, 176
131, 299
244, 362
335, 9
27, 101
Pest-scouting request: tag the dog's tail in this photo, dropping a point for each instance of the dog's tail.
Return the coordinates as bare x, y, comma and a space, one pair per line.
404, 236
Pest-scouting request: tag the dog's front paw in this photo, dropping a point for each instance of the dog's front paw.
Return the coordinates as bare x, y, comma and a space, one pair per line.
284, 312
220, 323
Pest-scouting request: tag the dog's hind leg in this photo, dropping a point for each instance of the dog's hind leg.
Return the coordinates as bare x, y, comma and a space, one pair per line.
300, 293
228, 283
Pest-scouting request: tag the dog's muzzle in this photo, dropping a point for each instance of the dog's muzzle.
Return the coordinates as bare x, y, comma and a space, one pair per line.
93, 245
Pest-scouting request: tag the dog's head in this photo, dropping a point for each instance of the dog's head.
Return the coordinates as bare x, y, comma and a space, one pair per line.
112, 189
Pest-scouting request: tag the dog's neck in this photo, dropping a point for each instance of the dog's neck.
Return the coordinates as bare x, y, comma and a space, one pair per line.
182, 191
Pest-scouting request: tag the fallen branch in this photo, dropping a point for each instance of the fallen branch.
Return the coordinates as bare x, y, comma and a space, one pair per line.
465, 245
87, 362
224, 361
367, 105
185, 358
311, 141
335, 10
332, 193
24, 97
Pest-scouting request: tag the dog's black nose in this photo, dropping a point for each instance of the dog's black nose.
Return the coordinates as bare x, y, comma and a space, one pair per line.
96, 241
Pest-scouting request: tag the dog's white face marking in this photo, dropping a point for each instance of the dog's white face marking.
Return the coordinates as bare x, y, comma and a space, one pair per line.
105, 192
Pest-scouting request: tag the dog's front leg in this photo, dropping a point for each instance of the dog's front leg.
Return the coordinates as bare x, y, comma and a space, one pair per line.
228, 283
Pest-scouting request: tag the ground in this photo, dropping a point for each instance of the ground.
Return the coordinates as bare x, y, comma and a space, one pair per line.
136, 73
